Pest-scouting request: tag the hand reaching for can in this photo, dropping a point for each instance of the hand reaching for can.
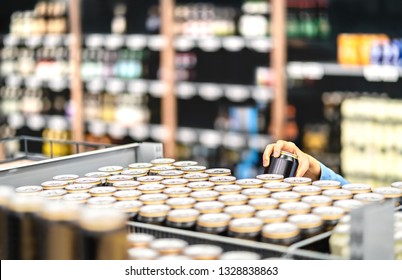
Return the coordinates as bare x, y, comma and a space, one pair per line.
308, 166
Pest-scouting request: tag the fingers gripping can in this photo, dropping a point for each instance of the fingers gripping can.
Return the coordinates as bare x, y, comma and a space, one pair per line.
286, 164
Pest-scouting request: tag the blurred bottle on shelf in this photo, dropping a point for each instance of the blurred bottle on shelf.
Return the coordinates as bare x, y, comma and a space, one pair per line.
57, 130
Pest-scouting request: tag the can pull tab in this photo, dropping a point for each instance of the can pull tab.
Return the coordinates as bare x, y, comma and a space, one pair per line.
286, 164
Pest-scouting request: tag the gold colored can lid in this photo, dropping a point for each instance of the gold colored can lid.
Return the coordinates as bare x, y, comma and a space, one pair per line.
181, 202
150, 179
307, 190
127, 195
218, 172
112, 169
171, 174
277, 187
250, 183
209, 207
157, 198
196, 177
233, 199
101, 201
223, 180
163, 161
160, 168
245, 225
298, 181
295, 207
203, 252
152, 211
272, 215
306, 221
183, 215
78, 188
184, 163
388, 192
264, 203
214, 220
151, 188
240, 211
66, 177
329, 213
29, 190
144, 166
201, 186
180, 182
256, 193
88, 180
76, 197
327, 184
317, 200
338, 194
135, 173
357, 188
227, 189
194, 169
286, 196
126, 185
280, 231
102, 191
128, 206
53, 194
54, 185
119, 178
204, 195
101, 220
270, 178
177, 192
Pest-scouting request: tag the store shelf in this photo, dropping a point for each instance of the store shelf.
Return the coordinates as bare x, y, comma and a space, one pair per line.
153, 42
317, 70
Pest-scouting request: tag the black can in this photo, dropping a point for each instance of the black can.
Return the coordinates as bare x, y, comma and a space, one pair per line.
286, 164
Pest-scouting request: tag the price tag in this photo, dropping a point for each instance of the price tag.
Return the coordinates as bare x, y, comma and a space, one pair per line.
136, 42
157, 89
94, 40
237, 93
138, 87
372, 73
186, 135
210, 44
234, 141
115, 86
233, 43
262, 94
184, 43
33, 41
185, 90
52, 40
390, 73
156, 42
262, 45
210, 138
139, 132
114, 42
210, 92
95, 86
295, 70
313, 71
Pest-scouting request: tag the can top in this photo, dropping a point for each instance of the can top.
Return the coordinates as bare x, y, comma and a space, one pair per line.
280, 230
101, 200
214, 220
317, 200
222, 179
127, 194
209, 205
25, 204
135, 172
184, 163
295, 181
307, 189
142, 254
388, 192
240, 255
295, 206
57, 211
110, 168
97, 174
175, 191
201, 185
225, 189
102, 190
357, 188
119, 178
65, 177
397, 184
271, 214
175, 182
53, 193
160, 168
348, 204
338, 193
166, 245
179, 201
140, 165
76, 197
239, 210
101, 219
79, 187
249, 182
196, 176
327, 184
127, 205
256, 192
277, 186
140, 238
88, 180
268, 201
203, 251
285, 153
163, 161
54, 184
369, 197
157, 197
286, 196
193, 169
171, 173
218, 171
246, 225
156, 210
232, 198
270, 177
329, 212
156, 187
126, 184
305, 221
183, 215
150, 179
28, 189
204, 194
